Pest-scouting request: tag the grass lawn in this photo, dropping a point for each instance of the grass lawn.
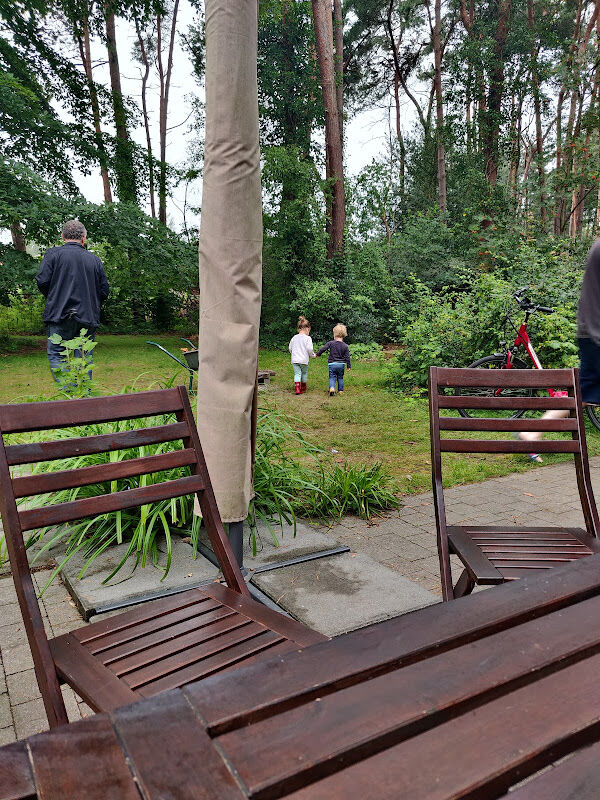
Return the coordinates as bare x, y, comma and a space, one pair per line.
366, 424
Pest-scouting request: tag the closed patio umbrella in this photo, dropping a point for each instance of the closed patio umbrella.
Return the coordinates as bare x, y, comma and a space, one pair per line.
230, 258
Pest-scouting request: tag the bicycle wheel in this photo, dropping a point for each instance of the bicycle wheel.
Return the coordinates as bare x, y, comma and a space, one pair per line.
593, 414
494, 362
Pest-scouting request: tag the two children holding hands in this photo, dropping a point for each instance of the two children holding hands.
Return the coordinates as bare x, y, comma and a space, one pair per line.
301, 349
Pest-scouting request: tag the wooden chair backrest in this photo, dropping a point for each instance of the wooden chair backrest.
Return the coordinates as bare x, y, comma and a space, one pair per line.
48, 416
566, 380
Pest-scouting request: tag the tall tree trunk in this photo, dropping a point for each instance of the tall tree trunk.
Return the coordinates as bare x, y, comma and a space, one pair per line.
165, 85
85, 52
493, 116
18, 239
400, 137
124, 167
146, 63
333, 143
539, 141
515, 156
573, 67
338, 36
439, 105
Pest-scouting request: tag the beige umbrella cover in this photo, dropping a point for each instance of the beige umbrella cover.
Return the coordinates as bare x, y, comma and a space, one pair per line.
230, 253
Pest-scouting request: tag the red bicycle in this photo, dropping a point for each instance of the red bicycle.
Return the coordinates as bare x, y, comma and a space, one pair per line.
508, 359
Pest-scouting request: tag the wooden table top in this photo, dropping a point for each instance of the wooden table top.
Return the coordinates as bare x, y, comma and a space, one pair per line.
459, 700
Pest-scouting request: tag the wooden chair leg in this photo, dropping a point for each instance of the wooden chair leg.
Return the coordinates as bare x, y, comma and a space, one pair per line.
464, 585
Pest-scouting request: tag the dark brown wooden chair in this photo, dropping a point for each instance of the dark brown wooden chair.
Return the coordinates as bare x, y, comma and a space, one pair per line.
159, 645
495, 554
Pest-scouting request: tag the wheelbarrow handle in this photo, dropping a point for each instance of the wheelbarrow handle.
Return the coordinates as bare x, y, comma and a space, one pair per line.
160, 347
187, 341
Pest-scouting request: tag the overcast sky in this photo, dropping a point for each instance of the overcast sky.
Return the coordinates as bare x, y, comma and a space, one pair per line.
365, 134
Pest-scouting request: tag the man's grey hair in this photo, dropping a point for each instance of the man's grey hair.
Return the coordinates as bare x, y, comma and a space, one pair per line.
73, 230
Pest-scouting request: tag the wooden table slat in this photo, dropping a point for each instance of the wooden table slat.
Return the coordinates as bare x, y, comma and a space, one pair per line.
292, 679
16, 780
481, 753
576, 778
185, 766
83, 760
358, 721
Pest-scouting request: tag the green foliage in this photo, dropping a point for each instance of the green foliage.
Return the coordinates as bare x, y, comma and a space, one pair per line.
14, 344
74, 376
452, 329
320, 301
365, 352
22, 314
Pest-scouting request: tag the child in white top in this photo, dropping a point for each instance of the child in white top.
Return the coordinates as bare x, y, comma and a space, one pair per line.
301, 348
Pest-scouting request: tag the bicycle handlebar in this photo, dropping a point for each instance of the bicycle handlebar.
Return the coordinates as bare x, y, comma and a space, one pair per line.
525, 303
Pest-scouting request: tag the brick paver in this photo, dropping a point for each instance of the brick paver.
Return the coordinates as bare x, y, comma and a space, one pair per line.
404, 541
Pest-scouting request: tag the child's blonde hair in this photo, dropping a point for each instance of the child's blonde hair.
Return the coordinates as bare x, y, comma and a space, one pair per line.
340, 331
303, 323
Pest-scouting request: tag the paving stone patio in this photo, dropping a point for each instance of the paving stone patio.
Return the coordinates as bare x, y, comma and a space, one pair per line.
404, 542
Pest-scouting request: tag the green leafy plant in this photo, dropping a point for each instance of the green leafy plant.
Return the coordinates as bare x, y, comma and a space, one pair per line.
75, 376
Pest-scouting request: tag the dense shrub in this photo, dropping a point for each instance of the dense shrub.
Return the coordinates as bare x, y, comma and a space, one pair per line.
453, 329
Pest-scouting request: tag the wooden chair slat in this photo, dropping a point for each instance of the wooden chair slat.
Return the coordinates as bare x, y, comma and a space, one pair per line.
100, 689
92, 764
449, 377
354, 723
92, 445
502, 424
208, 629
503, 446
512, 751
201, 772
44, 483
116, 629
506, 403
236, 655
192, 655
286, 626
126, 639
532, 562
22, 417
107, 503
170, 634
496, 551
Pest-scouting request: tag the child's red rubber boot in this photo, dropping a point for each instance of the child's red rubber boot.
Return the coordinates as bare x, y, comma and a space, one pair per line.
298, 388
303, 387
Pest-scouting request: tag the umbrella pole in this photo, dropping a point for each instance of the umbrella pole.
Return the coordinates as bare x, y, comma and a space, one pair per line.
236, 540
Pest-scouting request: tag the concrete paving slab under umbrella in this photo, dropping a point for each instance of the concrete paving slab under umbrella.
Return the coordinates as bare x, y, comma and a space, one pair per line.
342, 592
94, 597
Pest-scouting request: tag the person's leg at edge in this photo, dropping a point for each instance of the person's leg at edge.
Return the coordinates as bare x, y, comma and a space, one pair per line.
589, 371
331, 380
340, 379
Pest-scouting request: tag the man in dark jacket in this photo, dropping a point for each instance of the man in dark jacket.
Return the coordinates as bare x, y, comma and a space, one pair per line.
74, 284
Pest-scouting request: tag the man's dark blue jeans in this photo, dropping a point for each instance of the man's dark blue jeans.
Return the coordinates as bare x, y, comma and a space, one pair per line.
67, 329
